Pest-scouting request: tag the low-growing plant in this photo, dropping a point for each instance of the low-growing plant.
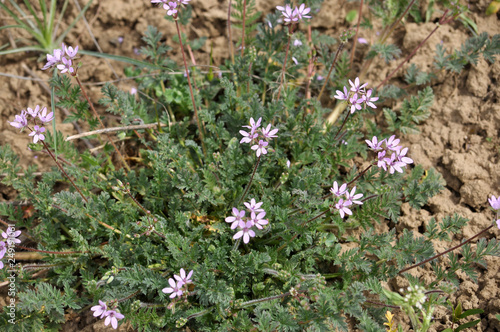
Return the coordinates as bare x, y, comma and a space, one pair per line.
242, 209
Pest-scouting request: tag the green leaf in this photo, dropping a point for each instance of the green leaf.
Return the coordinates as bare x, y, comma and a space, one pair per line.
351, 15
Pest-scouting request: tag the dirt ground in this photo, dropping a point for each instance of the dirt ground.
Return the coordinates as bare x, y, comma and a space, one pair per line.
461, 138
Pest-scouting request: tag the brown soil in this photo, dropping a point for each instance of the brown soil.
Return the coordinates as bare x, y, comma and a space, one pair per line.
461, 139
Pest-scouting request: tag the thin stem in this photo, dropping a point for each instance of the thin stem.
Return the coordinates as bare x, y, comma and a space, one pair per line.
102, 124
282, 81
190, 86
356, 36
342, 126
237, 244
243, 28
301, 226
251, 179
198, 314
393, 26
383, 304
442, 21
270, 298
52, 252
341, 46
63, 171
112, 129
128, 297
447, 251
230, 35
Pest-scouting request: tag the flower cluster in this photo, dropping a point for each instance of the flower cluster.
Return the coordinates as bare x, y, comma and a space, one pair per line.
260, 137
171, 6
415, 296
245, 224
63, 59
351, 198
294, 15
176, 288
38, 116
112, 316
397, 158
357, 97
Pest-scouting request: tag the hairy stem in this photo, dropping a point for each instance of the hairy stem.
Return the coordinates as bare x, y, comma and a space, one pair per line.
282, 80
102, 124
356, 35
190, 87
52, 252
229, 34
243, 28
63, 171
250, 182
339, 49
447, 251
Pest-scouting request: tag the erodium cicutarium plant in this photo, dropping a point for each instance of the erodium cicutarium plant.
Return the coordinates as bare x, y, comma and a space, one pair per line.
260, 193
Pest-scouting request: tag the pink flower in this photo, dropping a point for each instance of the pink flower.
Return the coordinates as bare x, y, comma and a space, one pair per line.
34, 112
254, 125
171, 8
257, 220
498, 223
494, 202
338, 191
253, 206
183, 279
288, 14
268, 133
374, 144
342, 96
352, 197
113, 317
342, 206
297, 42
3, 249
20, 121
356, 87
70, 51
392, 143
246, 232
369, 100
53, 59
355, 103
66, 66
37, 133
44, 117
362, 41
260, 148
238, 217
295, 60
99, 310
11, 237
302, 11
175, 288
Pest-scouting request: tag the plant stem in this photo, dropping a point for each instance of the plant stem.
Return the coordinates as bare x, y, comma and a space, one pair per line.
342, 126
230, 35
356, 35
282, 81
302, 225
243, 28
52, 252
63, 171
102, 124
341, 46
128, 297
190, 87
442, 21
251, 179
393, 26
270, 298
447, 251
198, 314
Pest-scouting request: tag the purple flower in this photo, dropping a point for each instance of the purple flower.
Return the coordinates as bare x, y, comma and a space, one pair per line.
248, 137
362, 41
171, 8
494, 202
253, 206
319, 78
245, 232
254, 125
183, 279
355, 103
34, 112
297, 42
355, 87
175, 288
498, 225
288, 163
392, 143
112, 317
257, 220
288, 14
342, 96
70, 51
11, 237
238, 217
37, 133
342, 206
381, 160
99, 310
401, 157
338, 191
352, 197
268, 133
369, 100
295, 60
374, 144
44, 117
53, 59
302, 11
66, 66
260, 148
20, 121
394, 164
3, 249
